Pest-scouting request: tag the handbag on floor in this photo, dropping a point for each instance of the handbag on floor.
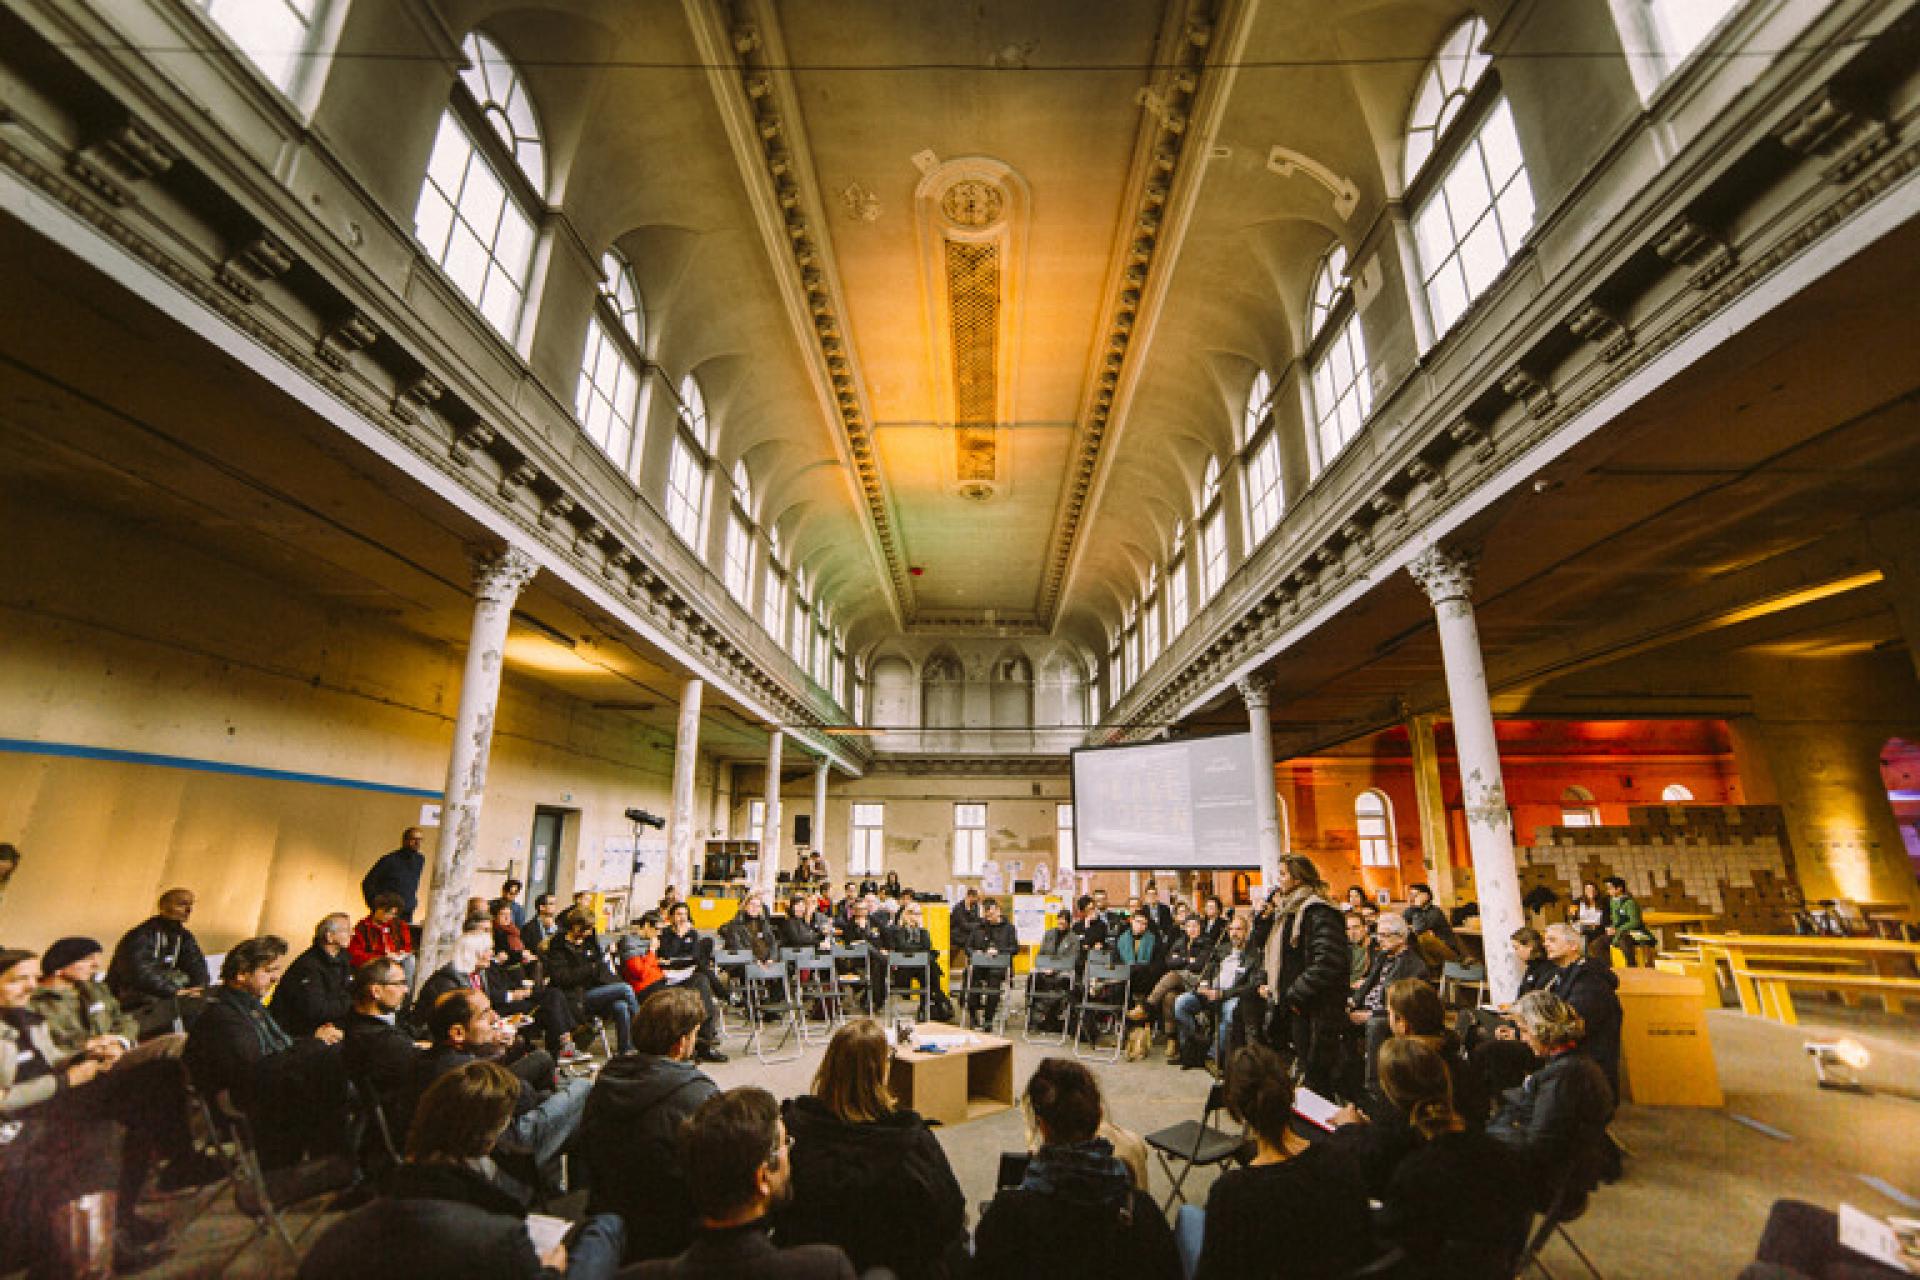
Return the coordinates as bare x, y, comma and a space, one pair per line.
1139, 1041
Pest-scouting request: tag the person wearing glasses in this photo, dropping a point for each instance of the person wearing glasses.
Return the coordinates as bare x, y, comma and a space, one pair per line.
739, 1170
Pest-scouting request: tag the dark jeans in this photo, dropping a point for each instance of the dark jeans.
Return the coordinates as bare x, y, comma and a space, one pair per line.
617, 1000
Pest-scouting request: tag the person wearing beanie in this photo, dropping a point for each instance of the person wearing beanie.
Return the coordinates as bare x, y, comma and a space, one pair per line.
77, 1006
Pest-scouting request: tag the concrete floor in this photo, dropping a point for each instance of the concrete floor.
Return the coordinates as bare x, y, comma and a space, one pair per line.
1696, 1193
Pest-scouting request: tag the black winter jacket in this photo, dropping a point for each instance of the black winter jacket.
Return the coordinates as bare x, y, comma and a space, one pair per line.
630, 1139
1593, 990
156, 958
380, 1054
1312, 977
1386, 971
314, 992
397, 873
755, 935
434, 1220
1557, 1122
1002, 937
745, 1253
792, 932
1108, 1228
883, 1192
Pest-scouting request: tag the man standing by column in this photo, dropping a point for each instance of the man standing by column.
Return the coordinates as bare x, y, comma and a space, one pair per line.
398, 873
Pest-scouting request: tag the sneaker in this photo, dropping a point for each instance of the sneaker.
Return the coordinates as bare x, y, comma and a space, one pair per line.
707, 1053
571, 1054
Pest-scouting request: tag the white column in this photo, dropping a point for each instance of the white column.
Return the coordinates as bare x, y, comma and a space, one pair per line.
682, 831
1266, 805
820, 772
1447, 578
497, 580
770, 826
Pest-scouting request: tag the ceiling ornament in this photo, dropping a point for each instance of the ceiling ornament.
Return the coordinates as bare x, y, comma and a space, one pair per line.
861, 203
1287, 163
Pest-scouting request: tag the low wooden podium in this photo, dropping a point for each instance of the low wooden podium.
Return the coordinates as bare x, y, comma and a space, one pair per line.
967, 1081
1666, 1056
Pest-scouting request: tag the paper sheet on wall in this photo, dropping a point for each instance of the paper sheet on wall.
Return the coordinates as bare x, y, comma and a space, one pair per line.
1029, 918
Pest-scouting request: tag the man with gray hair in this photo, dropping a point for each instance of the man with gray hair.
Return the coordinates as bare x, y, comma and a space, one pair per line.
1593, 989
316, 990
1396, 958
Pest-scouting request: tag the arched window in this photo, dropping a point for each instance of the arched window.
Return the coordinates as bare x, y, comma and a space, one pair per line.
1150, 619
773, 600
1177, 583
688, 476
1474, 205
1213, 533
1676, 793
1342, 391
1265, 496
1373, 827
607, 398
1577, 808
739, 561
276, 35
483, 186
800, 628
1130, 640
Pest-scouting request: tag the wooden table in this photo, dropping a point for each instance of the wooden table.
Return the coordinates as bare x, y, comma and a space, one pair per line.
1888, 959
964, 1083
1660, 921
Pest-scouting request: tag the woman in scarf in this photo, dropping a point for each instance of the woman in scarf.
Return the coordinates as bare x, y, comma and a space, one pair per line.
1307, 967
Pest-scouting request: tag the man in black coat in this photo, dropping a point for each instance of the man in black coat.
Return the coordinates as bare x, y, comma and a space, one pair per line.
1307, 961
1395, 958
1593, 989
963, 920
398, 873
993, 936
316, 991
377, 1051
630, 1133
158, 961
798, 928
739, 1170
1159, 914
294, 1091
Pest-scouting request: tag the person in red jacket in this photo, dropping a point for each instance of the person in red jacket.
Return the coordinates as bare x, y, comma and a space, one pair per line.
382, 933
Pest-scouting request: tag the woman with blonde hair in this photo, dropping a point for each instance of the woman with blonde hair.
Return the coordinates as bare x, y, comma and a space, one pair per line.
868, 1175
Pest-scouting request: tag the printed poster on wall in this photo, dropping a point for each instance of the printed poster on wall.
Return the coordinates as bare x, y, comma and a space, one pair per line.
1029, 918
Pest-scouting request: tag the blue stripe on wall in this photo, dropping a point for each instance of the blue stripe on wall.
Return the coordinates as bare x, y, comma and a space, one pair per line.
24, 746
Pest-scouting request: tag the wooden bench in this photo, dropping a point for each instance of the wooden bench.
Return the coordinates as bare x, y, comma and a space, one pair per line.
1775, 988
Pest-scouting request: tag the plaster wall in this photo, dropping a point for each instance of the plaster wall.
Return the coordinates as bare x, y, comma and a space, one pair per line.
121, 643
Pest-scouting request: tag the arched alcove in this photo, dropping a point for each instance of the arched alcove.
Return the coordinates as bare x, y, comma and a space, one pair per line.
1012, 693
942, 692
892, 700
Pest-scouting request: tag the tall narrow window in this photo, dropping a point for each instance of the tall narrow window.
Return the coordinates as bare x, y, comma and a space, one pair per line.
756, 818
1265, 496
739, 553
276, 35
1342, 391
773, 600
867, 849
1150, 627
1373, 824
800, 628
687, 476
969, 839
607, 398
1476, 209
1063, 848
1681, 26
1116, 674
1176, 596
485, 178
1213, 554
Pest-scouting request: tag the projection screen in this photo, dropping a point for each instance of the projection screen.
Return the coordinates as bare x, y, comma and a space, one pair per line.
1185, 805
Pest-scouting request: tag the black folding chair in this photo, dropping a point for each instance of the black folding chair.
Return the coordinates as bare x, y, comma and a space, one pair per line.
1104, 998
770, 1000
1195, 1144
906, 967
1059, 997
731, 965
1554, 1222
853, 967
989, 983
817, 990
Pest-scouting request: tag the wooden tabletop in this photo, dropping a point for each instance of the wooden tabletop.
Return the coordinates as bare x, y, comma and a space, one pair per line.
1800, 942
977, 1041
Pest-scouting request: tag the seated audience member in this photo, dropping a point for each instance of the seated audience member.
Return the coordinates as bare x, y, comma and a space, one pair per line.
1233, 975
1626, 927
879, 910
637, 957
541, 925
1395, 960
736, 1152
1213, 921
157, 962
993, 936
1159, 914
579, 970
1306, 962
1186, 961
1074, 1189
448, 1212
1432, 933
1140, 949
1297, 1210
1557, 1120
1356, 899
1593, 989
751, 931
293, 1090
1360, 951
382, 933
1536, 970
507, 940
632, 1123
963, 919
909, 937
857, 929
1415, 1012
510, 891
681, 946
377, 1051
1447, 1166
79, 1009
546, 1114
1801, 1241
868, 1175
1050, 992
1091, 926
469, 968
797, 929
314, 993
1589, 914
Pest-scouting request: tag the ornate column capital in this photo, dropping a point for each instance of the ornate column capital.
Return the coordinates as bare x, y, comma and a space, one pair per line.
1444, 575
499, 575
1254, 691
